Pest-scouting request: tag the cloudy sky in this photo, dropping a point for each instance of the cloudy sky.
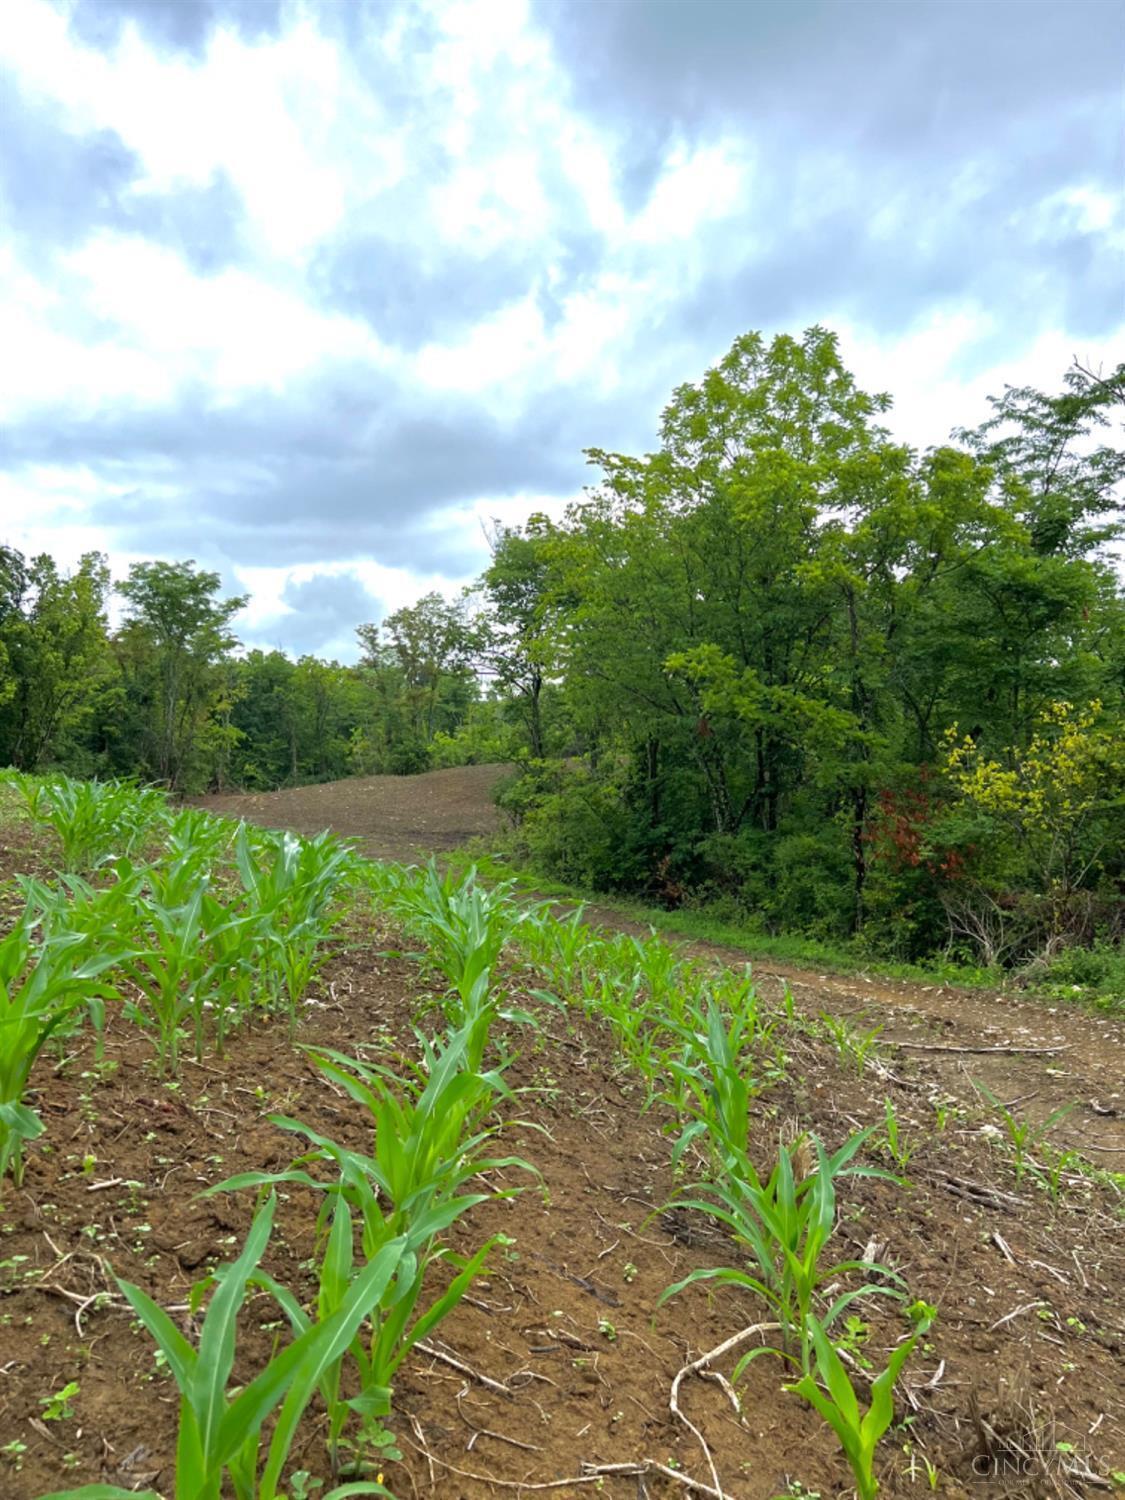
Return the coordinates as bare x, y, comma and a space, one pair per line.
307, 291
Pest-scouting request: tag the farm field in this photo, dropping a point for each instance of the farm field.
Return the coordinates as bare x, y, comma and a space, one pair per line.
622, 1074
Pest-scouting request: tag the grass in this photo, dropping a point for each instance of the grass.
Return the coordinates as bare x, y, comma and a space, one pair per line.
698, 923
1101, 989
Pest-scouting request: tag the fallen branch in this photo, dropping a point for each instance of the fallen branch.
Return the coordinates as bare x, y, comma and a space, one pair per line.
591, 1474
978, 1192
698, 1366
982, 1051
104, 1301
463, 1369
1015, 1313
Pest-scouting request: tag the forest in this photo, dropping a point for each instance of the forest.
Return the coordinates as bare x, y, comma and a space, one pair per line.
782, 668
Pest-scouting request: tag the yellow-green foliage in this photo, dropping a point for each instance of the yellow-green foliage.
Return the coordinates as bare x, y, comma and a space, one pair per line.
1072, 769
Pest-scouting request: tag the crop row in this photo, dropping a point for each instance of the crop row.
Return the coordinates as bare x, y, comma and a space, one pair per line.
190, 925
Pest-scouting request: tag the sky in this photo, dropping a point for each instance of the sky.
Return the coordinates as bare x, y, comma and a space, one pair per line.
312, 290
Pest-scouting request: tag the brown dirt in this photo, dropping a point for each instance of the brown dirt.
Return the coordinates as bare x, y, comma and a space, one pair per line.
409, 817
391, 817
1029, 1293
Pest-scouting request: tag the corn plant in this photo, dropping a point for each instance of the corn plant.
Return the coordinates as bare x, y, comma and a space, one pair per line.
378, 1354
198, 836
785, 1224
713, 1080
41, 987
853, 1046
91, 922
465, 927
1023, 1134
429, 1144
556, 945
464, 924
93, 819
169, 973
429, 1136
831, 1393
233, 946
899, 1149
220, 1427
290, 884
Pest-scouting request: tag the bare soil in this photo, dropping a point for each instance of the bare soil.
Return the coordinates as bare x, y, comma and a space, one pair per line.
1026, 1353
391, 817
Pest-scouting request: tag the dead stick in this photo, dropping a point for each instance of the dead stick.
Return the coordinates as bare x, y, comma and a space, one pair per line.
509, 1484
696, 1366
591, 1474
982, 1051
1015, 1312
463, 1369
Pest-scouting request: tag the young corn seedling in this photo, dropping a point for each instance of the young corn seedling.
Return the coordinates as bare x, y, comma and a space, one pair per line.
394, 1326
220, 1427
784, 1226
465, 928
1023, 1134
290, 884
831, 1393
41, 988
898, 1148
94, 819
196, 835
170, 971
429, 1137
233, 946
428, 1146
91, 922
854, 1047
559, 948
714, 1084
464, 924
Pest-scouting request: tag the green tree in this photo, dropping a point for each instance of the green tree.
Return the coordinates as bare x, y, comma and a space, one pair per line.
176, 638
417, 665
512, 635
55, 657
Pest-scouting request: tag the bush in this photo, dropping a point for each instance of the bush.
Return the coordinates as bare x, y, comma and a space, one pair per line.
483, 739
575, 826
1099, 970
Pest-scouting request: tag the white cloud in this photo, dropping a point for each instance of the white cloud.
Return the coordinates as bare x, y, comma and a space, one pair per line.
234, 330
473, 151
274, 115
932, 396
694, 188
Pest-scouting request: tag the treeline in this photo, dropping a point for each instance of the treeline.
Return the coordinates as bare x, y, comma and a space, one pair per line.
169, 697
782, 665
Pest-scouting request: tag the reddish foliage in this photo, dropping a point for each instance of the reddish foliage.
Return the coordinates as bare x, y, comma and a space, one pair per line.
899, 833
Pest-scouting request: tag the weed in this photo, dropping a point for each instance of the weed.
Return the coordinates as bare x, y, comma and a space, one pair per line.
1023, 1134
57, 1408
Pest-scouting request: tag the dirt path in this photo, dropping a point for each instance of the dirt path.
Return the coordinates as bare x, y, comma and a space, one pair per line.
1043, 1057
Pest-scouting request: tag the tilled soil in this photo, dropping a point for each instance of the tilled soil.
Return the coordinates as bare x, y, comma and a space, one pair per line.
1048, 1057
1017, 1390
390, 817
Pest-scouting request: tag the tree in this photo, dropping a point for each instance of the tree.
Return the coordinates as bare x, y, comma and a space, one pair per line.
762, 630
1041, 819
55, 655
177, 634
511, 637
418, 665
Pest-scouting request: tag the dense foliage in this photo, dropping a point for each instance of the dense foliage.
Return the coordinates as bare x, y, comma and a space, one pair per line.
839, 686
783, 665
